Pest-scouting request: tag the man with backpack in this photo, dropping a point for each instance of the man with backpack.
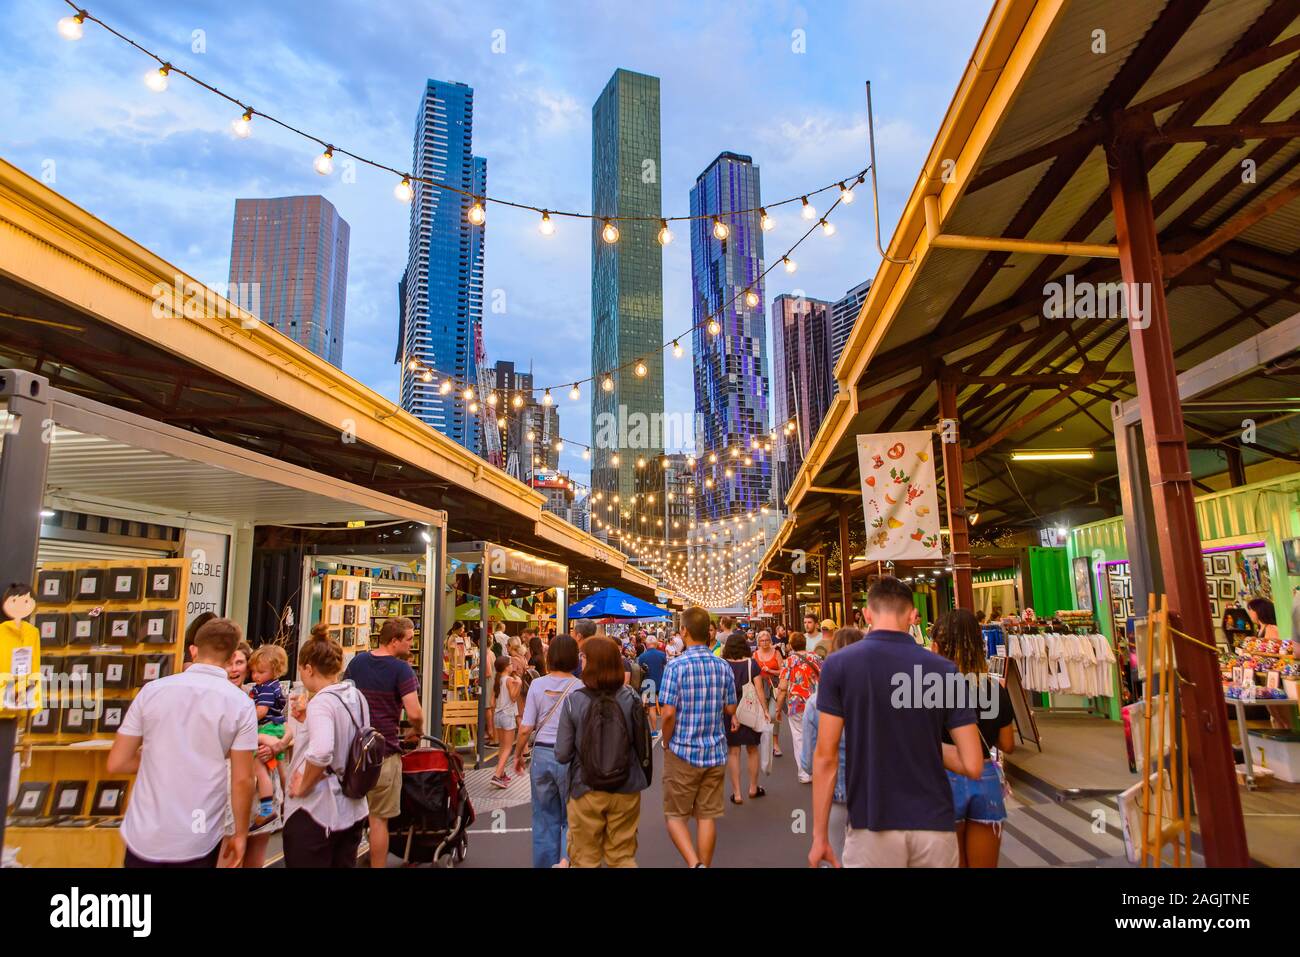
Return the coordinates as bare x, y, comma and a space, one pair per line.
697, 698
389, 687
604, 738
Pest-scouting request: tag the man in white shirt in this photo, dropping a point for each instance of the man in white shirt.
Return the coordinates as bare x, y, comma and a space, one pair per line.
176, 738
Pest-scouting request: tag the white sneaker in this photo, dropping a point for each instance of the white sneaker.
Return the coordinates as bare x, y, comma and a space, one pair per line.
805, 778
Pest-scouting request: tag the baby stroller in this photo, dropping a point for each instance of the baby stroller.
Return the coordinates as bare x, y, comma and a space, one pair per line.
436, 811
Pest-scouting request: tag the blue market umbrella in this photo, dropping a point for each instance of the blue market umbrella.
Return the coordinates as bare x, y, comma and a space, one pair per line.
612, 603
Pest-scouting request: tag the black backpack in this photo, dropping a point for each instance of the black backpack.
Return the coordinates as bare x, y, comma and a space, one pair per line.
364, 761
605, 742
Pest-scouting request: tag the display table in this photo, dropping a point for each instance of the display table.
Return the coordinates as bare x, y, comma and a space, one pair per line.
1244, 732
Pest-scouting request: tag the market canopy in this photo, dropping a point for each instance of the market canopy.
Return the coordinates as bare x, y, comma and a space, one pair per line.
469, 611
612, 603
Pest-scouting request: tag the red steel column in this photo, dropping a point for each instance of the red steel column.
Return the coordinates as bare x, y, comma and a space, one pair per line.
1223, 833
824, 581
846, 562
955, 492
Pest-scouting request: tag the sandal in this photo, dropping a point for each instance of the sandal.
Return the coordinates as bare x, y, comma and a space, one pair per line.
759, 793
736, 800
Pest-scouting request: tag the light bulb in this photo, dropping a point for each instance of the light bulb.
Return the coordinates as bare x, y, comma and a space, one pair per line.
586, 453
546, 398
609, 232
529, 435
469, 393
720, 229
614, 460
790, 264
546, 227
476, 214
501, 422
828, 229
751, 298
70, 27
427, 376
473, 408
713, 457
809, 211
677, 349
714, 327
665, 235
846, 193
492, 399
156, 80
445, 388
607, 384
324, 163
640, 463
413, 365
243, 126
517, 401
404, 192
640, 369
559, 446
765, 222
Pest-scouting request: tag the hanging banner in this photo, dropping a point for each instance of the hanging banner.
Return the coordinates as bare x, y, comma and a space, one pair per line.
771, 592
899, 498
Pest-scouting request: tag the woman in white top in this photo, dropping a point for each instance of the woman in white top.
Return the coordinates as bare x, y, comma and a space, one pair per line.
323, 826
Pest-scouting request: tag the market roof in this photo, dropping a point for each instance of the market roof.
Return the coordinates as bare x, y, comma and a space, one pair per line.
1021, 154
103, 317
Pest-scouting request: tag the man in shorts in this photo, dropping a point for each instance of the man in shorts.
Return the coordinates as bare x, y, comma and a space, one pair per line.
697, 698
390, 688
652, 661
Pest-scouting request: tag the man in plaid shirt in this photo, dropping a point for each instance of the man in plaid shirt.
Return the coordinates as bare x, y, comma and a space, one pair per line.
696, 698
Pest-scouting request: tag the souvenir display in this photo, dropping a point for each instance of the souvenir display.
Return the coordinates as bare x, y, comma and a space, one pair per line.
124, 584
162, 584
110, 799
53, 588
31, 799
69, 798
53, 629
89, 585
120, 628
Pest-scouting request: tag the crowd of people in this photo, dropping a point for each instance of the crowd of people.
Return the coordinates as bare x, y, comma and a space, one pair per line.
896, 779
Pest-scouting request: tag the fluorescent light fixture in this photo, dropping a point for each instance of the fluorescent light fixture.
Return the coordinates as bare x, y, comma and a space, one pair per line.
1051, 455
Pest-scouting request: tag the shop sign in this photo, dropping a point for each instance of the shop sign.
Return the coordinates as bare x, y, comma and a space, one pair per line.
516, 566
206, 552
772, 604
899, 498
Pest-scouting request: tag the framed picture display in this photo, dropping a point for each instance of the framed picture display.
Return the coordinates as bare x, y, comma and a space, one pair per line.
363, 614
1209, 566
110, 799
364, 591
111, 713
53, 588
124, 584
351, 589
336, 589
120, 628
1227, 589
1214, 608
1274, 680
45, 721
86, 628
1212, 588
157, 627
53, 629
1222, 564
117, 671
1116, 588
1236, 675
151, 667
162, 583
349, 614
1128, 607
31, 799
335, 615
69, 798
349, 637
75, 721
89, 585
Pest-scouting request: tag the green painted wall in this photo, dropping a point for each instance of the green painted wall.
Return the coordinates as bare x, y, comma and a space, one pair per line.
1049, 580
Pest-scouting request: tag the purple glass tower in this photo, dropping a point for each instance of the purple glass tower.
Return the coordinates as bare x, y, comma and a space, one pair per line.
731, 385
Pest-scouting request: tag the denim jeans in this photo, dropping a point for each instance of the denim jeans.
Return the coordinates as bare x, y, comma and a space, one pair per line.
550, 791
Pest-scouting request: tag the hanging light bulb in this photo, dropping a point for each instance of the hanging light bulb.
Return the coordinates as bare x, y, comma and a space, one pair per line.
404, 192
614, 460
751, 298
677, 349
427, 376
586, 453
530, 435
546, 398
501, 422
609, 232
714, 327
765, 222
828, 229
790, 264
559, 445
607, 383
546, 227
469, 393
665, 235
574, 393
413, 365
720, 229
846, 193
70, 27
445, 388
156, 80
640, 369
809, 211
517, 401
476, 215
324, 164
713, 458
492, 399
473, 408
243, 127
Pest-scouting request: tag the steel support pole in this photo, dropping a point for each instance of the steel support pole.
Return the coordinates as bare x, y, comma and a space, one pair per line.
1223, 832
484, 679
846, 562
955, 492
24, 456
824, 582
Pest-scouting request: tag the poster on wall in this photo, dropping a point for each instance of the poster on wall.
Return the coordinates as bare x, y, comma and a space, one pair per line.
772, 604
899, 498
1083, 583
206, 552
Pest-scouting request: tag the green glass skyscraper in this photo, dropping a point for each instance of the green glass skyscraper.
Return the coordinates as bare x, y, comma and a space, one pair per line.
627, 310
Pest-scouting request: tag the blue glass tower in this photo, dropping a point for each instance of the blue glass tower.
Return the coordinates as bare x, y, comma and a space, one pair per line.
731, 384
442, 289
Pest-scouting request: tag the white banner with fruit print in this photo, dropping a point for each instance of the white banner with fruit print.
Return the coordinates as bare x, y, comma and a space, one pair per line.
899, 498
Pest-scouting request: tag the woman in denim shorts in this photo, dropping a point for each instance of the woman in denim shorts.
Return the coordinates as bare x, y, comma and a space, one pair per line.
980, 809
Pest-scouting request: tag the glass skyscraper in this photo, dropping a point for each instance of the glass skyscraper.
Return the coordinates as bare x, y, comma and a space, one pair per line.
731, 384
289, 267
844, 315
627, 307
802, 383
441, 312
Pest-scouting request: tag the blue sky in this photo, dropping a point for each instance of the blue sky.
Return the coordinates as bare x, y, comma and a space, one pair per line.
166, 170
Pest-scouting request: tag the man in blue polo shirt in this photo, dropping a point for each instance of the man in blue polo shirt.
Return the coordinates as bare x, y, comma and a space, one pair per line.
892, 699
652, 662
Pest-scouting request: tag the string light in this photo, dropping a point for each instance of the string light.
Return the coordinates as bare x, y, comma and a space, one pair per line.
809, 211
828, 229
469, 393
156, 80
640, 369
665, 235
476, 214
517, 401
445, 388
324, 164
607, 383
243, 127
546, 398
790, 264
609, 232
546, 227
492, 399
714, 327
846, 193
575, 394
677, 349
751, 298
720, 229
70, 27
404, 192
765, 222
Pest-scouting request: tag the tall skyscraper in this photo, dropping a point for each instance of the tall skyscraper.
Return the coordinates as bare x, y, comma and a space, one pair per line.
289, 267
802, 383
627, 306
442, 307
731, 384
520, 453
844, 314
